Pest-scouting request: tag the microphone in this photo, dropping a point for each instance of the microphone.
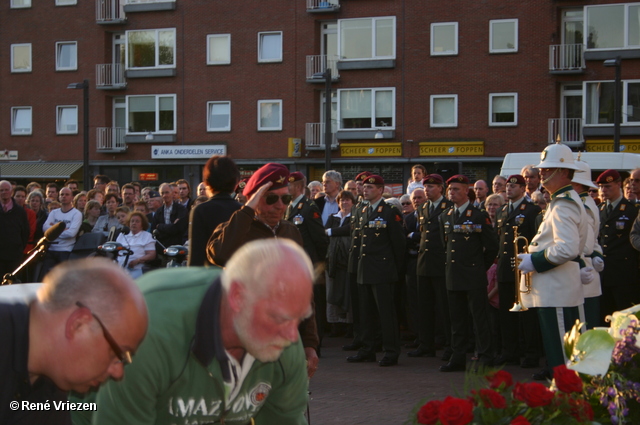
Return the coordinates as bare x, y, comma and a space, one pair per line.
50, 235
125, 230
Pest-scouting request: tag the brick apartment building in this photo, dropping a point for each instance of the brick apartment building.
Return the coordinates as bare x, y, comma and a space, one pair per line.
450, 85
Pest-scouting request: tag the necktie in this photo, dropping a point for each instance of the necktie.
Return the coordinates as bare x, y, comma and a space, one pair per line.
456, 214
609, 209
510, 207
432, 208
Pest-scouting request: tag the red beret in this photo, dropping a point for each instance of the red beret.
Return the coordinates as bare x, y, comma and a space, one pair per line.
273, 172
296, 176
458, 178
433, 179
517, 179
362, 176
373, 179
241, 185
608, 177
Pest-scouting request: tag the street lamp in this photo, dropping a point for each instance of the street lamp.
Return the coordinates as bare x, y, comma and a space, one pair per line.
327, 115
617, 108
84, 85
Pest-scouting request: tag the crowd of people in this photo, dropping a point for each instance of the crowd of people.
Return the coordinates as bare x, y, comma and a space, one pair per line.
490, 274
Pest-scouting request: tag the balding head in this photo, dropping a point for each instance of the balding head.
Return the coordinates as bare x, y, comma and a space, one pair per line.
5, 191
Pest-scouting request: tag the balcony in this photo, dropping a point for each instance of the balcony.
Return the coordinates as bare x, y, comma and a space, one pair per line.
314, 137
132, 6
110, 12
110, 76
323, 6
566, 59
110, 140
568, 130
317, 64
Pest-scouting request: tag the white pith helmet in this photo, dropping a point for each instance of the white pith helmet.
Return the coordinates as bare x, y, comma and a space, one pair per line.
583, 178
557, 155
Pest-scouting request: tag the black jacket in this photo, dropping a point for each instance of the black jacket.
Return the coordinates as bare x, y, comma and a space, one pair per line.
306, 216
174, 233
14, 232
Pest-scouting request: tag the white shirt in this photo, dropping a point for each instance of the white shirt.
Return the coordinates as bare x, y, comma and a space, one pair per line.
138, 243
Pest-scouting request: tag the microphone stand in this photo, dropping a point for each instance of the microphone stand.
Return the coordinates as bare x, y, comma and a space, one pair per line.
10, 278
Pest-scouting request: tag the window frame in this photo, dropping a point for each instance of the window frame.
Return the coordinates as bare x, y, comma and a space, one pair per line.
13, 6
14, 110
265, 101
218, 102
68, 2
58, 46
59, 109
157, 114
211, 36
260, 37
624, 121
373, 109
157, 49
514, 123
515, 32
432, 98
30, 68
443, 24
373, 39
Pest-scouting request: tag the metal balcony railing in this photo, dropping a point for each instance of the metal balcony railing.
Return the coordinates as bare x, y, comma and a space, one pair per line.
314, 136
566, 57
147, 1
110, 139
317, 64
110, 76
110, 11
569, 131
323, 5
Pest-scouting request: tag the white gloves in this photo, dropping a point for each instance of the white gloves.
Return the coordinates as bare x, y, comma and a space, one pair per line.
598, 264
586, 275
526, 265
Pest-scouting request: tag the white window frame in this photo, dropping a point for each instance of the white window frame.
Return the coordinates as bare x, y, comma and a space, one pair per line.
625, 25
432, 110
218, 102
625, 106
59, 110
30, 68
373, 39
157, 50
444, 24
515, 31
373, 109
515, 110
58, 47
14, 112
212, 36
25, 4
260, 36
157, 116
66, 2
265, 101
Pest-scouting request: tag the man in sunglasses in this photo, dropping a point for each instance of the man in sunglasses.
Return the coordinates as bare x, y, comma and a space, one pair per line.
82, 328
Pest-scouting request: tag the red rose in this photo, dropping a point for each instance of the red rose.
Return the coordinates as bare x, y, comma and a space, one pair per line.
500, 377
492, 399
567, 380
533, 394
428, 414
578, 408
519, 420
455, 411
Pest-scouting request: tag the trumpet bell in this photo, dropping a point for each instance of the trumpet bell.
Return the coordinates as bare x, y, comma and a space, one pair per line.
518, 307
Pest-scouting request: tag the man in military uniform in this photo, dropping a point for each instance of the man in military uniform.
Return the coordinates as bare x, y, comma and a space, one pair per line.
518, 213
620, 286
432, 291
553, 261
380, 265
471, 247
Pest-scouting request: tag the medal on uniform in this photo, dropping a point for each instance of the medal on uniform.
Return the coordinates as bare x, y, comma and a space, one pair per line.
298, 219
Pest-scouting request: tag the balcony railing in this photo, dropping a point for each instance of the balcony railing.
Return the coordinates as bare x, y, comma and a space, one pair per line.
569, 131
317, 64
314, 137
110, 76
148, 1
567, 58
110, 11
110, 139
320, 6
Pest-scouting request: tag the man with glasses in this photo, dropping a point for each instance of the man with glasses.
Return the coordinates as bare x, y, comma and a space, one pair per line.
82, 328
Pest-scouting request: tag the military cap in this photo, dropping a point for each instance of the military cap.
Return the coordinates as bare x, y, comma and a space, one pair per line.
362, 176
154, 194
433, 179
608, 177
373, 179
241, 185
458, 178
296, 176
273, 172
516, 179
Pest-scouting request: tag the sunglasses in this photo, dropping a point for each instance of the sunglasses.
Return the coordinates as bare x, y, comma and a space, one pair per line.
122, 355
272, 198
405, 203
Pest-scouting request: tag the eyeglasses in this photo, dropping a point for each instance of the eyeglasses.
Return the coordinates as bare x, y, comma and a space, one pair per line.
272, 198
405, 203
123, 356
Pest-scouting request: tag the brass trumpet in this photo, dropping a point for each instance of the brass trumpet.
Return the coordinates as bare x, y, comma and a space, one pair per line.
517, 305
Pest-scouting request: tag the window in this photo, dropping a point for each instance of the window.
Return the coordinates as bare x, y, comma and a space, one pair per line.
270, 46
366, 108
367, 38
444, 110
600, 103
19, 4
21, 120
66, 56
21, 57
67, 121
503, 36
155, 114
444, 38
151, 48
218, 116
66, 2
219, 49
615, 26
503, 109
270, 115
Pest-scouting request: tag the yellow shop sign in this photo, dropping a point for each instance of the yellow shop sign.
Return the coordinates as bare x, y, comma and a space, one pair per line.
367, 149
451, 148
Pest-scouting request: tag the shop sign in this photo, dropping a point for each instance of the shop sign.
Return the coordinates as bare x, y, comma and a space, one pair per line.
626, 145
451, 148
187, 151
367, 149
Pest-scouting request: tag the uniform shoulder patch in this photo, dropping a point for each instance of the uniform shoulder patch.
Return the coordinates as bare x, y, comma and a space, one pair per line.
316, 215
566, 196
398, 218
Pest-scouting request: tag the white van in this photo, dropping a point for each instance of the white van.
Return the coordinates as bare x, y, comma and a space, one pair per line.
598, 161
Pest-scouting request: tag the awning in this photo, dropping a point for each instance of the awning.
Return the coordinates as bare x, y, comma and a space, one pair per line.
48, 170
